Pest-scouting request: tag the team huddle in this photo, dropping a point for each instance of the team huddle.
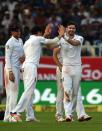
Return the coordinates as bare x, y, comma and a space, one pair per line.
25, 58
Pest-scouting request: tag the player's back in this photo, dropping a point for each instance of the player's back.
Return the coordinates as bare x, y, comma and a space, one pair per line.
32, 50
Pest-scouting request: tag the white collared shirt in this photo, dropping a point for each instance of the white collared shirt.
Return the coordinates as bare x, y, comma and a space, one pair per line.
32, 48
71, 55
13, 51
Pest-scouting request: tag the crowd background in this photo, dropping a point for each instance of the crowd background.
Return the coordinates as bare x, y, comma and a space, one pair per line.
86, 13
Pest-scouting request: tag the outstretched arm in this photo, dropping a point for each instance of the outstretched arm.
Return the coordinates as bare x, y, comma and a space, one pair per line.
55, 40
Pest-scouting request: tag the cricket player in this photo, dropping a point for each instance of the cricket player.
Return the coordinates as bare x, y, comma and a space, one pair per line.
71, 45
14, 57
32, 50
82, 116
14, 54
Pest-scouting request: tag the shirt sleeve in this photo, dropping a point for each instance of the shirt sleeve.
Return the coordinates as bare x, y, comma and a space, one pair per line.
50, 41
59, 43
22, 46
8, 54
81, 39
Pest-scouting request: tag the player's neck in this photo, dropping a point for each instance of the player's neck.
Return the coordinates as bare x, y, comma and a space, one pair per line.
71, 36
16, 37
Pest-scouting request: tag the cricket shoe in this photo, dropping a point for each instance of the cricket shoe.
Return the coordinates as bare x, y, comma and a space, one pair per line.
33, 120
69, 119
6, 119
15, 118
84, 118
59, 118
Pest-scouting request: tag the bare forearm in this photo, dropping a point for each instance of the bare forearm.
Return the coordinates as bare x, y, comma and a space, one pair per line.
55, 56
57, 61
72, 41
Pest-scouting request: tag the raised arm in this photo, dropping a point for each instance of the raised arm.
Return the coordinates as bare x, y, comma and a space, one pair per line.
55, 40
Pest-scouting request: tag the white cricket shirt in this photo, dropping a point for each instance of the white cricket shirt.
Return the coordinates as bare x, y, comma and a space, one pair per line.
71, 55
32, 48
13, 51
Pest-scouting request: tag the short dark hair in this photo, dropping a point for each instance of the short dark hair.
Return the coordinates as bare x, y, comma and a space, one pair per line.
36, 29
71, 23
14, 27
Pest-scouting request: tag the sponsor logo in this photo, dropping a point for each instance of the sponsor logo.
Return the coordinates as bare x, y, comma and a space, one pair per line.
90, 74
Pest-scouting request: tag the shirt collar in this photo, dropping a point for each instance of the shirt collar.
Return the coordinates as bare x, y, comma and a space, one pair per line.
31, 36
15, 39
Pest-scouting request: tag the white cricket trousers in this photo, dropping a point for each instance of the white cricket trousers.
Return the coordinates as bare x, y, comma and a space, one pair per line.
29, 78
71, 76
60, 93
80, 107
60, 96
11, 90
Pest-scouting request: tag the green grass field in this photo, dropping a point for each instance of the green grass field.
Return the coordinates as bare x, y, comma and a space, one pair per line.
48, 123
